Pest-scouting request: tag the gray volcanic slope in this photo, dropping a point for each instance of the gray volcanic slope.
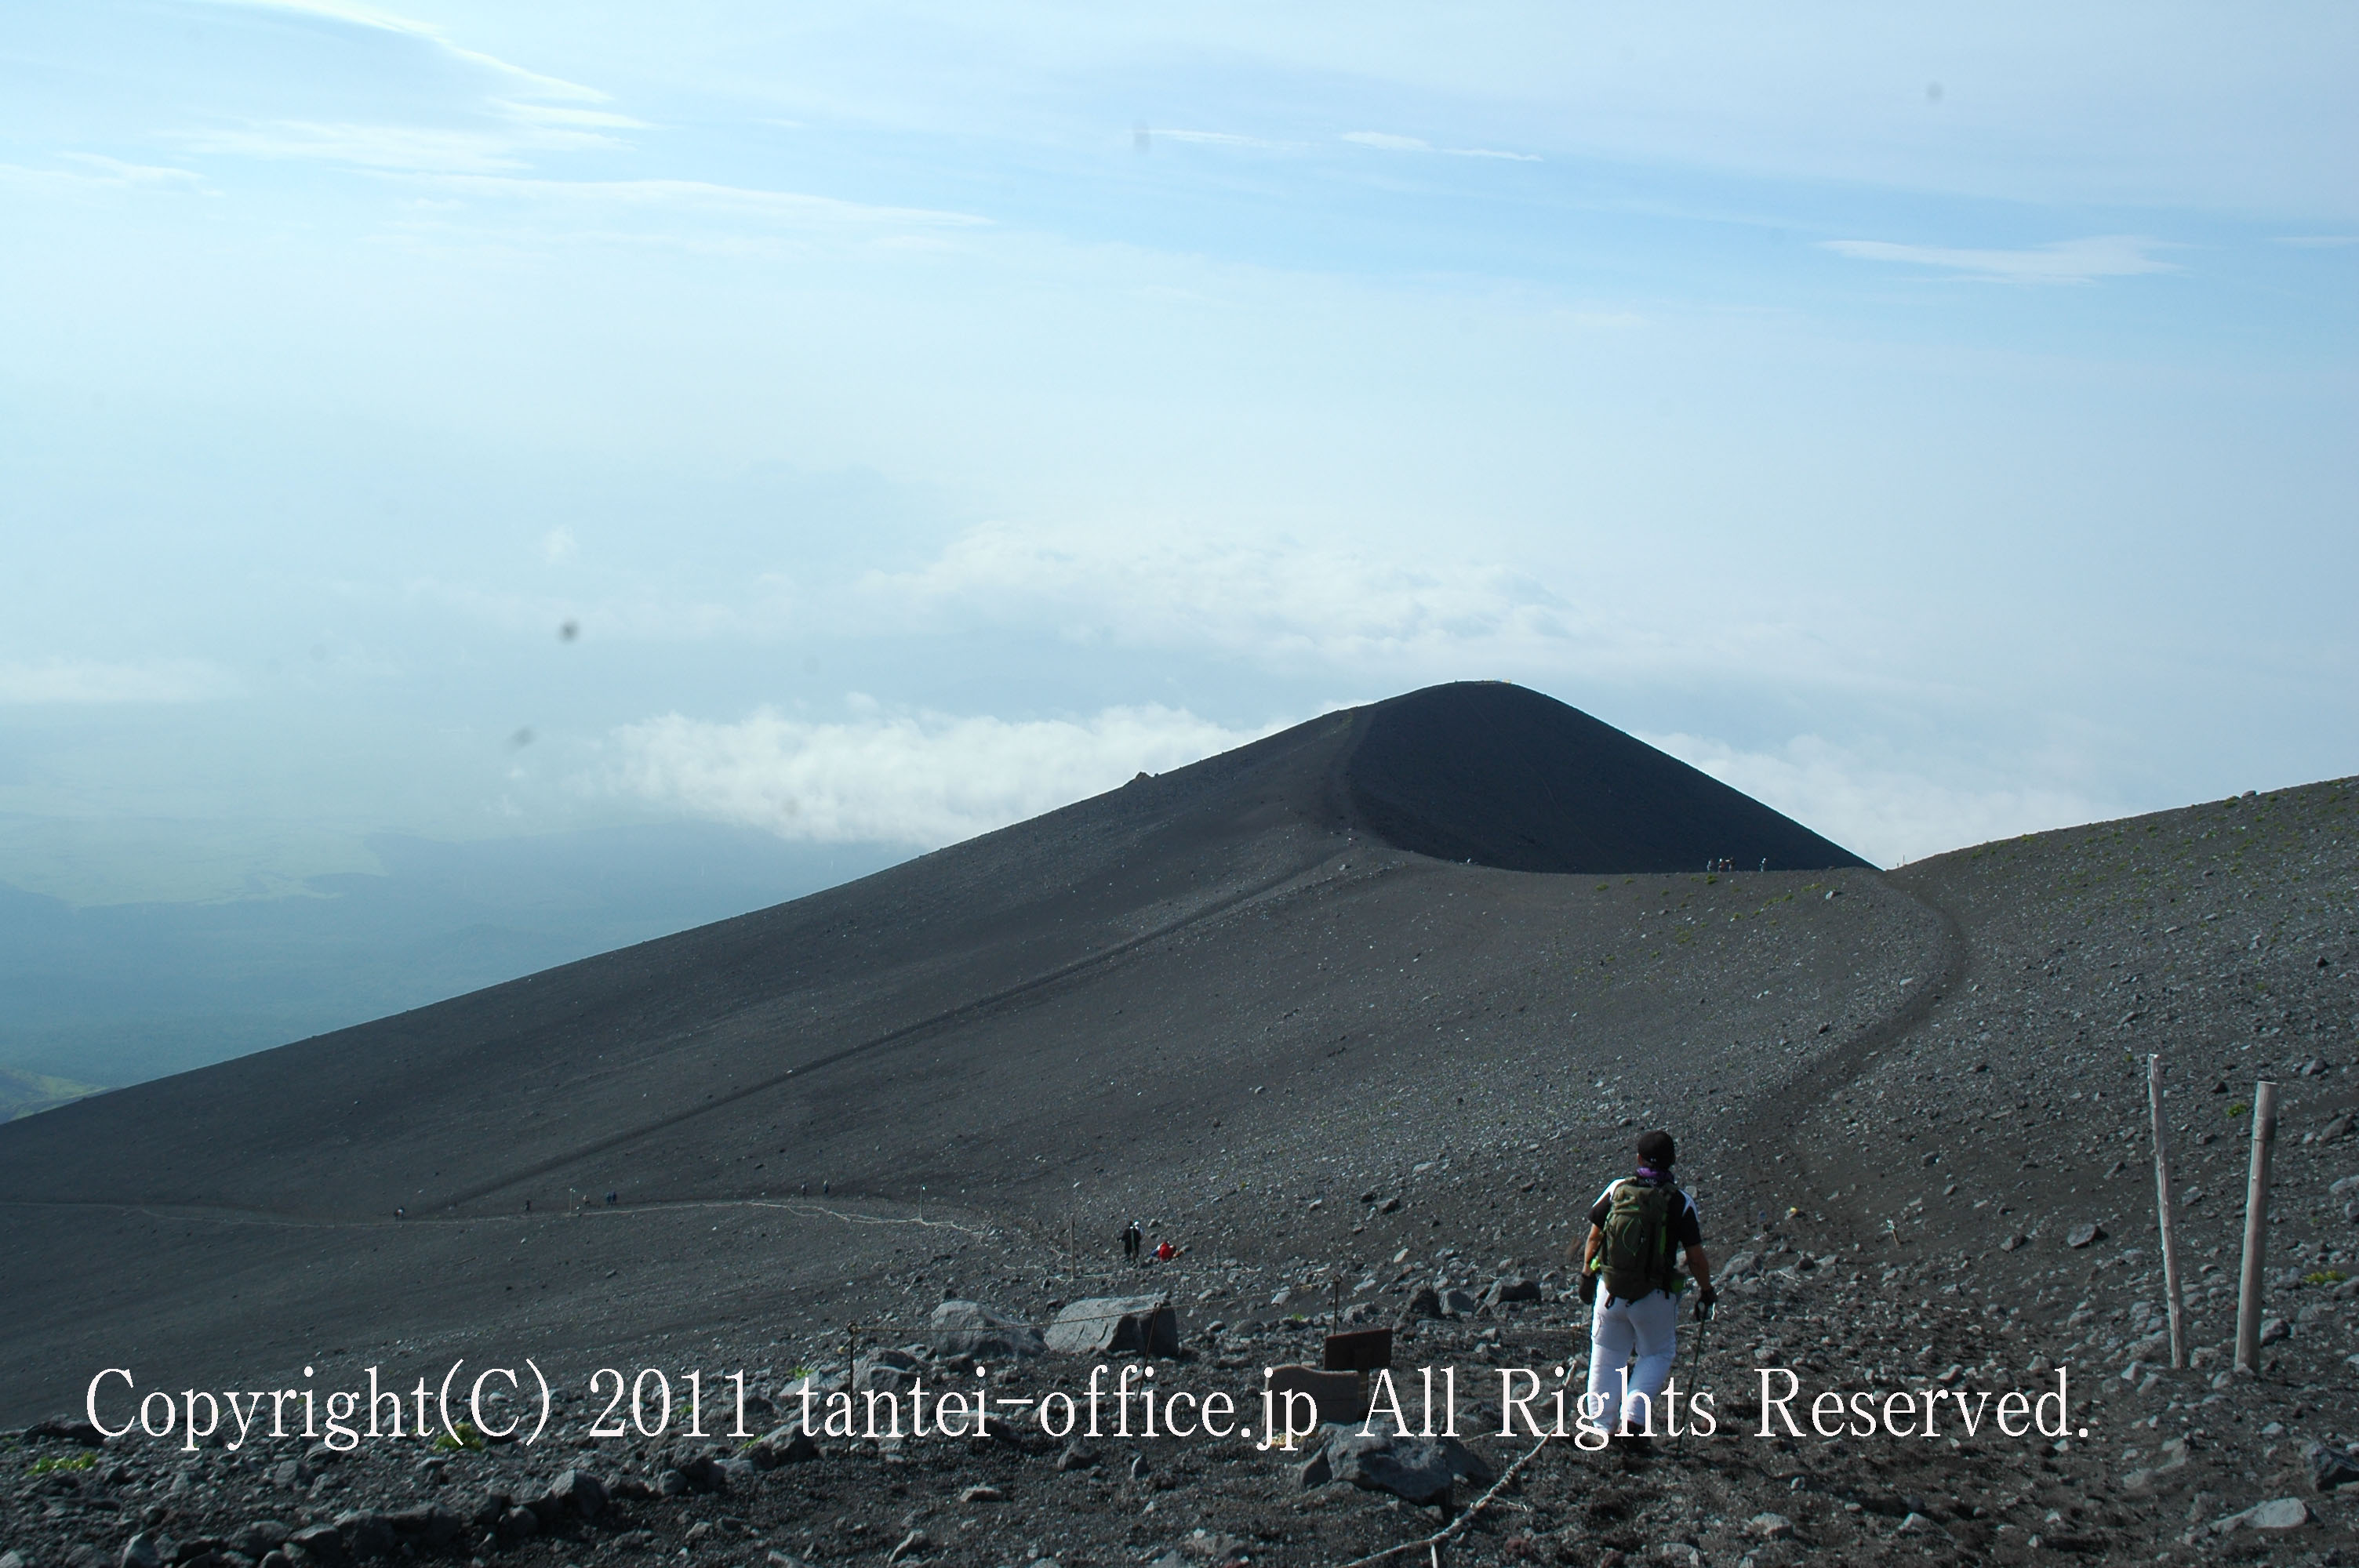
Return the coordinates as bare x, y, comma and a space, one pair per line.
1092, 1002
1224, 1001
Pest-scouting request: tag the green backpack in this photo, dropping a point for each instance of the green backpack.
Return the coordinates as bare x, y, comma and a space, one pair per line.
1635, 1257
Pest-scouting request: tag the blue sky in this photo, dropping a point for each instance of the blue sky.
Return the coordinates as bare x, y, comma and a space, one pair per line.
1937, 425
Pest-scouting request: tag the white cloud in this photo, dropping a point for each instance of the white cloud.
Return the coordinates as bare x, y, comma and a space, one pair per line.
2065, 261
115, 171
919, 778
779, 206
1885, 812
97, 681
1270, 598
1211, 138
559, 545
379, 20
409, 149
502, 113
1385, 141
93, 171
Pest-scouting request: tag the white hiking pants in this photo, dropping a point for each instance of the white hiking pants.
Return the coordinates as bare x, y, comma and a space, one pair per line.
1648, 1327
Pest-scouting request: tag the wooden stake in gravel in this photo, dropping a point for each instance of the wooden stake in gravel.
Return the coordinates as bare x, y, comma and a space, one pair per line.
2166, 1213
2256, 1229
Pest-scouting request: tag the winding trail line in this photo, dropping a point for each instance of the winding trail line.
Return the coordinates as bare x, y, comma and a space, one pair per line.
224, 1214
1813, 1087
981, 1007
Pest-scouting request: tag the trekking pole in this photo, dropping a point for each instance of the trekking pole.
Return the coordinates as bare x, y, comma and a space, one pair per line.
1695, 1369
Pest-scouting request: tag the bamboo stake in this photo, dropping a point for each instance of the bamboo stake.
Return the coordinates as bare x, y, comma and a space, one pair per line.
2257, 1228
2166, 1213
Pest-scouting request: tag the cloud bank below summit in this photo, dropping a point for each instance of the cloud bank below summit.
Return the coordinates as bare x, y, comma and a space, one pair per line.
913, 778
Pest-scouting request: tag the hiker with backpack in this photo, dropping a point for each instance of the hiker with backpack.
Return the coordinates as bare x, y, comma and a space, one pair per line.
1638, 1229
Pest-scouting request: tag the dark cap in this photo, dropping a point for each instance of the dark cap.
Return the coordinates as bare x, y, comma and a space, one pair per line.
1656, 1149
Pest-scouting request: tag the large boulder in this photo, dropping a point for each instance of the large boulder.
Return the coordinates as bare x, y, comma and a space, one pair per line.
970, 1329
1420, 1470
1143, 1326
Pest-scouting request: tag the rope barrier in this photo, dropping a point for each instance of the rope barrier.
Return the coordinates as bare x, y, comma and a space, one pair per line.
1435, 1541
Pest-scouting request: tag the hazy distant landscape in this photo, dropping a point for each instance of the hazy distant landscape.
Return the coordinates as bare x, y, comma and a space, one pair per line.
115, 994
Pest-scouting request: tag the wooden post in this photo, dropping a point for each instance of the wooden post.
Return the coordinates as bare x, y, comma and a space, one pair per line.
2257, 1228
2166, 1213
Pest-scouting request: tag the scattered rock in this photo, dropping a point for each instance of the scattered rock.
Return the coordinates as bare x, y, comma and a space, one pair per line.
2274, 1329
578, 1493
1077, 1458
367, 1534
1770, 1526
1511, 1288
983, 1495
142, 1551
258, 1538
2277, 1513
887, 1371
787, 1445
428, 1522
2084, 1235
2330, 1467
315, 1546
914, 1542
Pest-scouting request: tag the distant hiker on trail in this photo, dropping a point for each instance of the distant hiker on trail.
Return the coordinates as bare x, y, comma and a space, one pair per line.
1132, 1239
1165, 1252
1628, 1271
